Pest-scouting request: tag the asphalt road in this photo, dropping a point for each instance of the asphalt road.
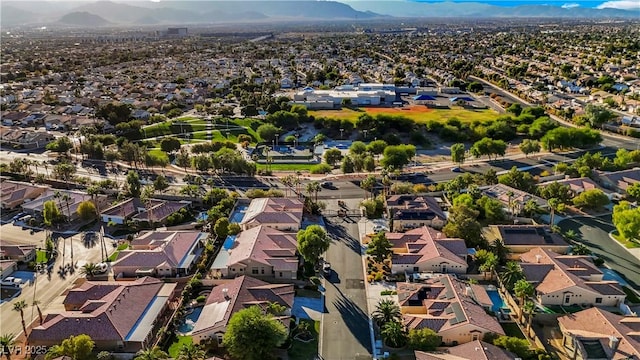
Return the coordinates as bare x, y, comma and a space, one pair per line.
47, 289
345, 327
594, 233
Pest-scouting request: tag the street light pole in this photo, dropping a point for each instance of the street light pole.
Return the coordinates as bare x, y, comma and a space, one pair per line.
341, 131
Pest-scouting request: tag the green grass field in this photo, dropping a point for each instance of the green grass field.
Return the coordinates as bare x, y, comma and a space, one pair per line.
180, 340
306, 351
41, 256
198, 128
287, 167
629, 244
418, 113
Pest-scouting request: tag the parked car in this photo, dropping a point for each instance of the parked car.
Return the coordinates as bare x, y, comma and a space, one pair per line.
326, 269
327, 185
456, 169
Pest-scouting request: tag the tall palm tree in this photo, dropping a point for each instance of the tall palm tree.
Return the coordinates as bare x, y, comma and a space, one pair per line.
367, 184
313, 188
46, 168
523, 290
6, 342
528, 308
19, 307
489, 266
394, 334
191, 352
511, 273
553, 204
36, 303
386, 311
154, 353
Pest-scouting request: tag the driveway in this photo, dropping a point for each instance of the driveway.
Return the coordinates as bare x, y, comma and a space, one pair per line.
594, 233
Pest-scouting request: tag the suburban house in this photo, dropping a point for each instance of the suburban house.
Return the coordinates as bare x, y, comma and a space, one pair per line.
568, 280
598, 334
618, 181
443, 304
261, 252
160, 254
118, 316
413, 211
579, 185
512, 198
474, 350
136, 210
277, 213
67, 201
233, 296
427, 250
7, 267
13, 194
520, 239
19, 253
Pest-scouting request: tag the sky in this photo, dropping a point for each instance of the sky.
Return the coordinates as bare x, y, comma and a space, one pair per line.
618, 4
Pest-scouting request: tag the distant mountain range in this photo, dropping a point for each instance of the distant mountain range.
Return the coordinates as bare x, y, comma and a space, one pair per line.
110, 13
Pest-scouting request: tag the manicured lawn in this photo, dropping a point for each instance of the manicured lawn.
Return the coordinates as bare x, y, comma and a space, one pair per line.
113, 256
630, 244
306, 351
418, 113
120, 247
512, 329
631, 295
158, 153
287, 167
180, 340
41, 256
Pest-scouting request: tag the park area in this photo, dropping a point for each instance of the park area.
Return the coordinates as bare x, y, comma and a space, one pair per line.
418, 113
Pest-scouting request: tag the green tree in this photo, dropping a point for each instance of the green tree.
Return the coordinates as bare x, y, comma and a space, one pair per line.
627, 220
89, 270
556, 190
515, 109
221, 228
154, 353
591, 199
7, 341
397, 156
160, 183
87, 210
64, 171
267, 132
518, 346
457, 153
313, 188
394, 334
183, 159
357, 148
170, 144
379, 247
424, 339
133, 184
510, 275
523, 290
377, 147
386, 311
191, 351
253, 335
332, 156
312, 243
633, 190
463, 224
368, 184
518, 179
369, 164
528, 146
61, 145
19, 306
77, 347
347, 165
597, 115
51, 213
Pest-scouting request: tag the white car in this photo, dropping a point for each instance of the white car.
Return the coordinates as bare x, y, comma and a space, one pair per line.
379, 228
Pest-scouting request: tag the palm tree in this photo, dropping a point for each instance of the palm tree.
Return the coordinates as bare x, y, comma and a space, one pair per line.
313, 188
367, 184
386, 311
155, 353
46, 168
191, 352
531, 208
489, 266
6, 342
523, 290
580, 249
528, 308
501, 251
394, 334
511, 204
89, 270
553, 204
36, 303
511, 274
19, 307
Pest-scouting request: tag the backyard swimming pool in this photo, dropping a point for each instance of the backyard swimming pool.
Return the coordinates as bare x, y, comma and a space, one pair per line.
496, 299
189, 321
229, 241
238, 213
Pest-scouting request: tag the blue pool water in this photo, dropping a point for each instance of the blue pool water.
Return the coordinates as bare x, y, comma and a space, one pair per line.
238, 214
228, 242
496, 299
189, 321
202, 216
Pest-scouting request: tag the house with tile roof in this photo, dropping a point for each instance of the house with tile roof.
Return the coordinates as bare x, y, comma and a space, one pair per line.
568, 280
136, 210
118, 316
427, 250
7, 267
19, 253
413, 211
474, 350
13, 193
67, 201
160, 254
598, 334
579, 185
618, 181
261, 252
235, 295
513, 199
277, 213
520, 239
445, 304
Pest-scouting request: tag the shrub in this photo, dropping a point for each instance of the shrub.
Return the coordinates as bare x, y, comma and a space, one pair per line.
387, 292
201, 298
320, 169
379, 276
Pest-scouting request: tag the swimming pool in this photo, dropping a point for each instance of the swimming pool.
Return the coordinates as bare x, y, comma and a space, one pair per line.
496, 299
189, 321
229, 241
202, 216
238, 214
